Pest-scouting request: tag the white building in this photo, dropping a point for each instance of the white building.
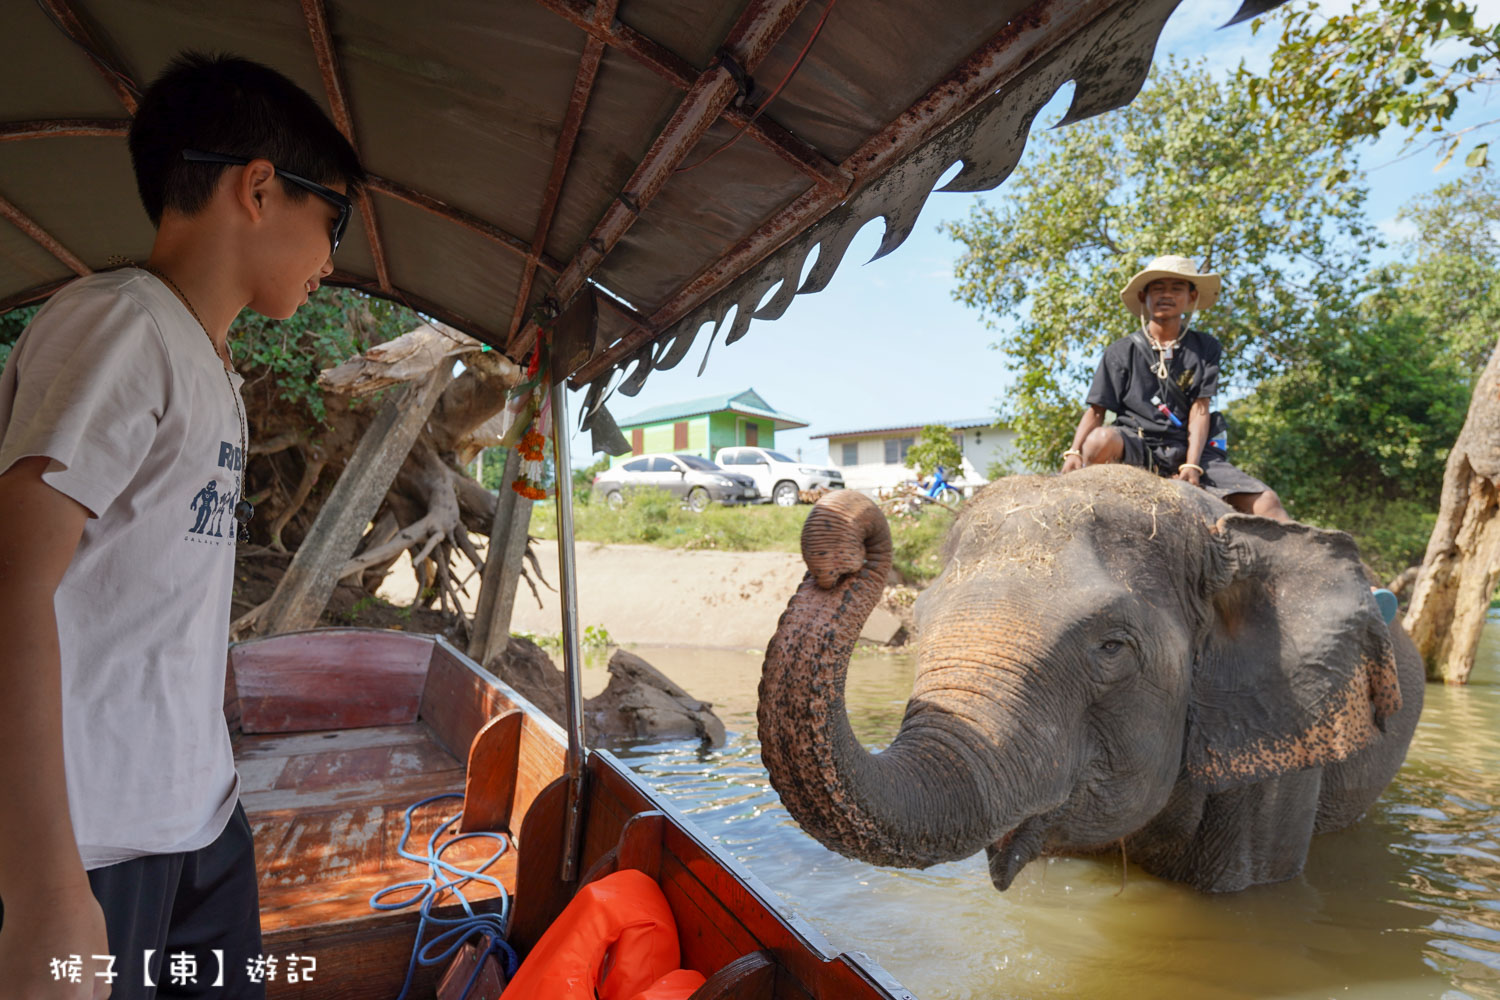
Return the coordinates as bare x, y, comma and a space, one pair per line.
874, 458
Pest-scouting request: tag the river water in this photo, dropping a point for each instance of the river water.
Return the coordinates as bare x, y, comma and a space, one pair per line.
1405, 904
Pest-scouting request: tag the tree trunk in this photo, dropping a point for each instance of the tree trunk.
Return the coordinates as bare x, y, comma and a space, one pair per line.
502, 568
427, 508
1462, 564
321, 559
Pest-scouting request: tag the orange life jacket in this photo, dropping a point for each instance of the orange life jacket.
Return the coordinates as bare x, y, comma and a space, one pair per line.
616, 937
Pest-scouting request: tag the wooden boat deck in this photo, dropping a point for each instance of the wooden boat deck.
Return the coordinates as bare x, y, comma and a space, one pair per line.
338, 731
328, 809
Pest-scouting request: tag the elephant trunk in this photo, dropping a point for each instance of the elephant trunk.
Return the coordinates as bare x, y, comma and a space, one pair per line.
923, 800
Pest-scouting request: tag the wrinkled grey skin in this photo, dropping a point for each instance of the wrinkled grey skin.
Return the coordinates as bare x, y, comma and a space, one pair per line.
1106, 657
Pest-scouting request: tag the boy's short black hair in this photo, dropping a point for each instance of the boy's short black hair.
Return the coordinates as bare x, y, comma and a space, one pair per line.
224, 104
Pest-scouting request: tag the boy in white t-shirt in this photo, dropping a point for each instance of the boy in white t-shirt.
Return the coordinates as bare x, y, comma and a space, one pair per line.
122, 450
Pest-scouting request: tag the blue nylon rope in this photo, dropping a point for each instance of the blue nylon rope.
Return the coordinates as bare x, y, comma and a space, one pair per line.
458, 929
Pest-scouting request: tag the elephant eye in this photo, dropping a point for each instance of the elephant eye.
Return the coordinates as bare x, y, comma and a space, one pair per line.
1112, 645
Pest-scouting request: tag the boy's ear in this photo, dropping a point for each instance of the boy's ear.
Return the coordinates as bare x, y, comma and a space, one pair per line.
250, 183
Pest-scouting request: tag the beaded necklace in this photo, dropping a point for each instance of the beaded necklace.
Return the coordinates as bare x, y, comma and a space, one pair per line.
244, 510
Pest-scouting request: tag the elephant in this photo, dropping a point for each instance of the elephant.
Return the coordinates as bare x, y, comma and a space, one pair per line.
1108, 661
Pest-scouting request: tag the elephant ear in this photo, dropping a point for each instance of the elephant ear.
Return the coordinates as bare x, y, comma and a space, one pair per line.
1297, 669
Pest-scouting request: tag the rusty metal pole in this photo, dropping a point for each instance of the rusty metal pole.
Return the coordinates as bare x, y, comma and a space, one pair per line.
572, 660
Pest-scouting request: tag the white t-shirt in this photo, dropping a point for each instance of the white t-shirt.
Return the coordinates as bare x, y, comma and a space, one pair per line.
118, 384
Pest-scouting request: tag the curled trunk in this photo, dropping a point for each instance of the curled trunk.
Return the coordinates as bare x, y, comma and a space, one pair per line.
926, 798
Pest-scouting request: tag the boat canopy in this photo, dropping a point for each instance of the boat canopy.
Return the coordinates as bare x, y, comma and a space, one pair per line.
676, 162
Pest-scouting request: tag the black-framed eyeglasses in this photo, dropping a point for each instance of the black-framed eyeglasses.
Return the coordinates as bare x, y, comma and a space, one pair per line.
338, 201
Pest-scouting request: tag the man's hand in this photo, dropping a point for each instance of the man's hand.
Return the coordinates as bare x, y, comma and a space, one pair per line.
58, 925
1072, 463
1190, 475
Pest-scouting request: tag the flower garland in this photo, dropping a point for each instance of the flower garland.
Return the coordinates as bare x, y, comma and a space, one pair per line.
532, 417
532, 464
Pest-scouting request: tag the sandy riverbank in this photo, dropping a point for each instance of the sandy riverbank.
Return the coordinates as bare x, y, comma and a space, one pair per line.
655, 596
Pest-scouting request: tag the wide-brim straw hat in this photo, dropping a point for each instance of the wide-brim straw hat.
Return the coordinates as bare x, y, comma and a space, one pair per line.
1170, 267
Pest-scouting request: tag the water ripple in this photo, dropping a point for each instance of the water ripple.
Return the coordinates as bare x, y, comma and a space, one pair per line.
1404, 904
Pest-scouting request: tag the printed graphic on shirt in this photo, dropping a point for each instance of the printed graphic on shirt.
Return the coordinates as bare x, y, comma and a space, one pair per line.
212, 506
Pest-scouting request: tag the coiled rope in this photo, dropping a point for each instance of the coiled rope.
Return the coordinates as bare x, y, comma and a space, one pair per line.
458, 929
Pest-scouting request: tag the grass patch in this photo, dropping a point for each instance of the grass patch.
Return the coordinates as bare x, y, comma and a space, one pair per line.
653, 517
1391, 534
918, 543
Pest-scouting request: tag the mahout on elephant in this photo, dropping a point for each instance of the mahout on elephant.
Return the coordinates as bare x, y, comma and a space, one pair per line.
1108, 660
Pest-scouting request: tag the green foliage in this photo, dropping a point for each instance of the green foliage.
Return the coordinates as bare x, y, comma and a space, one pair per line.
596, 637
917, 544
492, 469
934, 447
1372, 416
11, 325
583, 480
654, 517
1406, 63
1357, 436
1450, 274
1190, 167
334, 325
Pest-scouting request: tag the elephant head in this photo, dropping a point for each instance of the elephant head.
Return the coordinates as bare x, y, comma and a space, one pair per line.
1097, 646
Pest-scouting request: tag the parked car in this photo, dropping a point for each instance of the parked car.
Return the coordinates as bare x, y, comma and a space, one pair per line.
697, 480
777, 477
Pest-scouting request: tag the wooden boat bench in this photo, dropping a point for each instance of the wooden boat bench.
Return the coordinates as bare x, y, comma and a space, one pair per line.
338, 731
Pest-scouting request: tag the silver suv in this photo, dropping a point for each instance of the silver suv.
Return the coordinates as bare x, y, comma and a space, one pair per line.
777, 477
696, 480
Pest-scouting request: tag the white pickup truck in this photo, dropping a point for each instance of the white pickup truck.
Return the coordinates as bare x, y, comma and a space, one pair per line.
779, 478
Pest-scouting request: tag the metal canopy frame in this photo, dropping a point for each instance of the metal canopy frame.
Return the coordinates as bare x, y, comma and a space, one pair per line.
713, 95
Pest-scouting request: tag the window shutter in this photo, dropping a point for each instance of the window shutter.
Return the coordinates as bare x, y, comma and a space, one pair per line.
679, 435
637, 440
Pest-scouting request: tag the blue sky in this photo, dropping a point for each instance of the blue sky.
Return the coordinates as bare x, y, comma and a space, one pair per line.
886, 343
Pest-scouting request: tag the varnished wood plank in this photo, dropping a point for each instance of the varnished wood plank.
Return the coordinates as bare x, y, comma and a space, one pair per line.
393, 791
322, 847
540, 892
641, 843
258, 774
345, 903
289, 745
824, 975
358, 959
542, 759
808, 956
608, 815
332, 768
710, 935
329, 679
490, 779
487, 984
749, 977
457, 700
460, 696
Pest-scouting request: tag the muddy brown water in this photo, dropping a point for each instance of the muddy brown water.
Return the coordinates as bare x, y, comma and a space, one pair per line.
1405, 904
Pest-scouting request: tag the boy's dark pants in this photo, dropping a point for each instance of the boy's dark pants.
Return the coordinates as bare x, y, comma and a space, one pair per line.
193, 902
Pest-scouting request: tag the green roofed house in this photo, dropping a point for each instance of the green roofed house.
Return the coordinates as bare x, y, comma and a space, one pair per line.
703, 426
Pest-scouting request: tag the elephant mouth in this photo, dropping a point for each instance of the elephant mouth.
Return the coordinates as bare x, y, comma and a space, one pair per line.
1015, 851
